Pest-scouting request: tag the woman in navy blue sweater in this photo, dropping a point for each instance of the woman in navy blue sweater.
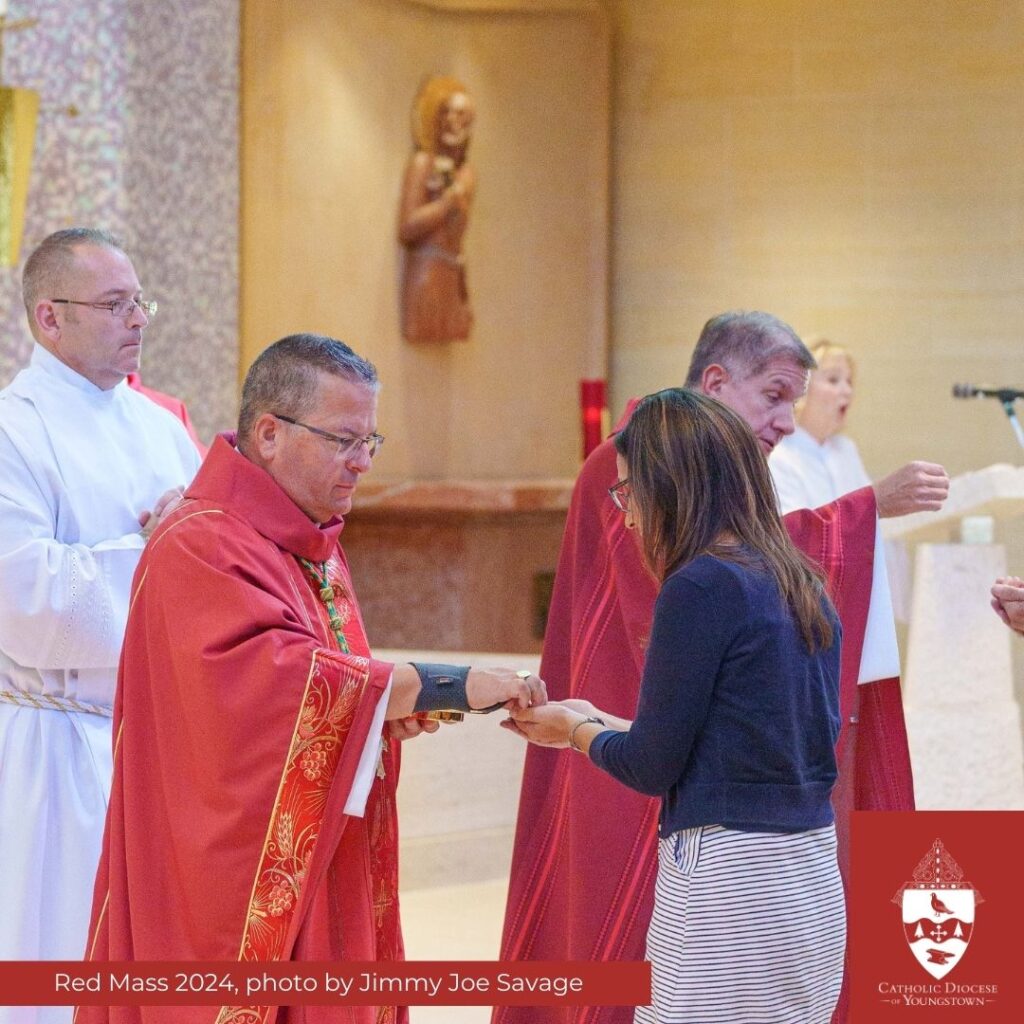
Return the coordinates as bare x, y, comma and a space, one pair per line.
735, 728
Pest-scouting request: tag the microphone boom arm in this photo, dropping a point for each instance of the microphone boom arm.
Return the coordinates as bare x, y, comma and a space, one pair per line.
1006, 398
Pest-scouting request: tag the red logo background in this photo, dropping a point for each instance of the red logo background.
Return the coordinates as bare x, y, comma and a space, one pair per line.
885, 849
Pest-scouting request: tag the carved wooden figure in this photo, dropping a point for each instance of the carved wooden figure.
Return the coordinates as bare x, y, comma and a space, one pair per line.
437, 194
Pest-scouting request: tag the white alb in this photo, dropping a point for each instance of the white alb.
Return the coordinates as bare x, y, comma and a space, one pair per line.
77, 466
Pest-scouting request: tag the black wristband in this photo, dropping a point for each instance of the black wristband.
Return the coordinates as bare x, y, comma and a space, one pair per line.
443, 688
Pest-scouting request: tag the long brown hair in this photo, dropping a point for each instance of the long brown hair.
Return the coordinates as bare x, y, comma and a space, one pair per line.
695, 473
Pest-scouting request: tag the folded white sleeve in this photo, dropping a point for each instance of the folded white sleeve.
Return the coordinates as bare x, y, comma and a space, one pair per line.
367, 769
880, 655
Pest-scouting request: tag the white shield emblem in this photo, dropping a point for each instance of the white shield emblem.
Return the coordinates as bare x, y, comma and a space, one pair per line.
938, 924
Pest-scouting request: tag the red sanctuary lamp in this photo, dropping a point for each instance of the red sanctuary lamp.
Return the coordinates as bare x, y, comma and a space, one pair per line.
594, 413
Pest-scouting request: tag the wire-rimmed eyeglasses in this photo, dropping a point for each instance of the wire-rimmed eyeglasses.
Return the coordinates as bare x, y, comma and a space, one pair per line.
347, 446
620, 495
120, 308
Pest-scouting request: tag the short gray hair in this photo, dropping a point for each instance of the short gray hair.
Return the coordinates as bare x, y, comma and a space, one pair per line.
283, 379
53, 257
745, 343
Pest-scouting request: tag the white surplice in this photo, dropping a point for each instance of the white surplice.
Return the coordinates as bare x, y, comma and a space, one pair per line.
77, 466
809, 474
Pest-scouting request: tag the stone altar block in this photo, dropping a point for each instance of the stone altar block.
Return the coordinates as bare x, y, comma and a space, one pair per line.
962, 719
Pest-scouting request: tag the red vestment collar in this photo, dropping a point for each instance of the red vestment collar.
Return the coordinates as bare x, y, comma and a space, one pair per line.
228, 479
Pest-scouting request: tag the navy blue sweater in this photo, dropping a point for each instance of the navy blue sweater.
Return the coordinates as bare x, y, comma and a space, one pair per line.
736, 723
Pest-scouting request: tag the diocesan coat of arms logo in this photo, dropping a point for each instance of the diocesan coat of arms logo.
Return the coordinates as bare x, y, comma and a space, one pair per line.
938, 906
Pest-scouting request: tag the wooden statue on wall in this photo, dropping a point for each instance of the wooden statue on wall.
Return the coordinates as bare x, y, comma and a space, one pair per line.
436, 197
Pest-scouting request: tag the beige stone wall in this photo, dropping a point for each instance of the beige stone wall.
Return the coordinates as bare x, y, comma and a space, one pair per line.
326, 95
852, 167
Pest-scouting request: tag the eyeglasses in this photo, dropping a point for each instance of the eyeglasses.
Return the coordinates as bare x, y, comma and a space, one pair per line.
347, 446
121, 308
620, 494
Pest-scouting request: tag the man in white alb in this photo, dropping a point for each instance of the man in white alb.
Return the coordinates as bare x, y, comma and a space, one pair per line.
88, 467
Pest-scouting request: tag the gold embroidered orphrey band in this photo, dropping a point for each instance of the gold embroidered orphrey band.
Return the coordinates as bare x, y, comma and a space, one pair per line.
48, 702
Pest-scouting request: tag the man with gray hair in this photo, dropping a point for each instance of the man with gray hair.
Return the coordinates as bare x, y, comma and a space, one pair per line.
571, 905
757, 365
252, 814
88, 467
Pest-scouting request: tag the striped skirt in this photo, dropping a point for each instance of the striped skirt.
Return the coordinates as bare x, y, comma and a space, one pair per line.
748, 928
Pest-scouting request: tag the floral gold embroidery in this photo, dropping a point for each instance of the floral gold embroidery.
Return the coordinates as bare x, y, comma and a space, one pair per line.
324, 720
314, 762
241, 1015
281, 899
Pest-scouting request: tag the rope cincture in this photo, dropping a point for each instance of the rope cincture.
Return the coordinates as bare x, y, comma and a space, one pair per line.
49, 702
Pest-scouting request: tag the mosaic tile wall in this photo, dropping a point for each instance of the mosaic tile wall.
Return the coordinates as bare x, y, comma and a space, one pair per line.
151, 153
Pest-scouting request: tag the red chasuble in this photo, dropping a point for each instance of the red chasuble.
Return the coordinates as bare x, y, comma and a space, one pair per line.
585, 858
239, 723
173, 405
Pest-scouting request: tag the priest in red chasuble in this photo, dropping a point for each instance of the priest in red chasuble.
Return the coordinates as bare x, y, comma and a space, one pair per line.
252, 814
585, 854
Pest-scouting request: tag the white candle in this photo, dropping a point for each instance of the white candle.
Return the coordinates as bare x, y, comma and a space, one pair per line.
3, 8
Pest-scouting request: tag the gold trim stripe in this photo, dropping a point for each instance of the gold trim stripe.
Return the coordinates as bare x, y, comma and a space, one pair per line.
184, 519
99, 924
152, 544
277, 801
117, 740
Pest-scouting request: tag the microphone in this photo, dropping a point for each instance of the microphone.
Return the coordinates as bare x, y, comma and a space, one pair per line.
1004, 395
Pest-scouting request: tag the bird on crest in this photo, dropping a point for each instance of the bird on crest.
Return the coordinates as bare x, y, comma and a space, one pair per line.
939, 907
